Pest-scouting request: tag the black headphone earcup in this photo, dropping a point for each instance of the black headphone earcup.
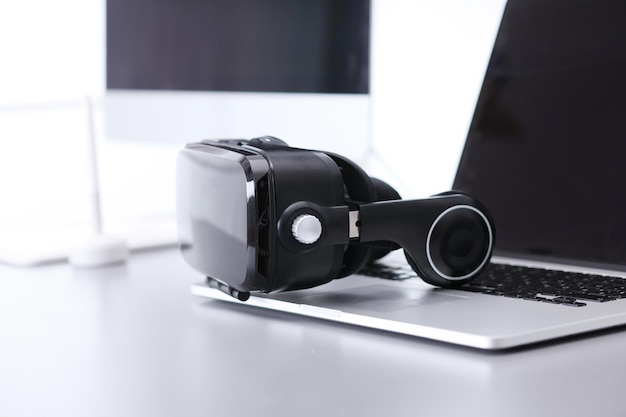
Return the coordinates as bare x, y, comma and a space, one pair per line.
385, 192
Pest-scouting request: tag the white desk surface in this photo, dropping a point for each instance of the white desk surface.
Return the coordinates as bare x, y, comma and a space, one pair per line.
131, 340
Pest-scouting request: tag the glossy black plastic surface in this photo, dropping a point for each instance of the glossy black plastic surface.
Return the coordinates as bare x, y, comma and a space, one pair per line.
216, 210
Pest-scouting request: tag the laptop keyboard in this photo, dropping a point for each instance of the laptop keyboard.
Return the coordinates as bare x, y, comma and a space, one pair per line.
549, 286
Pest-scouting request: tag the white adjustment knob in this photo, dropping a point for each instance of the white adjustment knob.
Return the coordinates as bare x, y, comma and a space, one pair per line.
306, 228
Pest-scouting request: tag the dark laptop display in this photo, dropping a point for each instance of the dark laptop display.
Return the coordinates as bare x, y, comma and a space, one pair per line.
546, 150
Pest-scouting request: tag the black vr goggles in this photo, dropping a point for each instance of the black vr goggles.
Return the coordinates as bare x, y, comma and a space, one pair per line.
258, 215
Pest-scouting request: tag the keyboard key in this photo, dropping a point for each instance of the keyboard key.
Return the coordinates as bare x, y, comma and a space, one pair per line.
556, 287
534, 284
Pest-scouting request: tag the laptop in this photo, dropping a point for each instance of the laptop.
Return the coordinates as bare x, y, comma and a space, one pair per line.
546, 153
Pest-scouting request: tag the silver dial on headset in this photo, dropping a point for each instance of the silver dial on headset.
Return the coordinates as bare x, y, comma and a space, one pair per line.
306, 229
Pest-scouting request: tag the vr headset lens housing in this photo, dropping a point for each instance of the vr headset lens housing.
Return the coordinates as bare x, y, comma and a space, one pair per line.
216, 206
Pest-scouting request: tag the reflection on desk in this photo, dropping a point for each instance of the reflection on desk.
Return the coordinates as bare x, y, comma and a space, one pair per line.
130, 340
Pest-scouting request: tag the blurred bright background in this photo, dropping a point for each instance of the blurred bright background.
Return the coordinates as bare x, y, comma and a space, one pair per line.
427, 63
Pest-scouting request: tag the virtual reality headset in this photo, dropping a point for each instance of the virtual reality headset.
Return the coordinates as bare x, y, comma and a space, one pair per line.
260, 216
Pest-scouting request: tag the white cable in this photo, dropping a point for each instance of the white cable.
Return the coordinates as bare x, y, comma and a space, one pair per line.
98, 249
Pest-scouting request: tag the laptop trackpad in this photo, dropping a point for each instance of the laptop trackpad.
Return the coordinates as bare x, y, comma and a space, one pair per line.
382, 298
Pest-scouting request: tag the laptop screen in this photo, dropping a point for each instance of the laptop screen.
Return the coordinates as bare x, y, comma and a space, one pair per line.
546, 149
